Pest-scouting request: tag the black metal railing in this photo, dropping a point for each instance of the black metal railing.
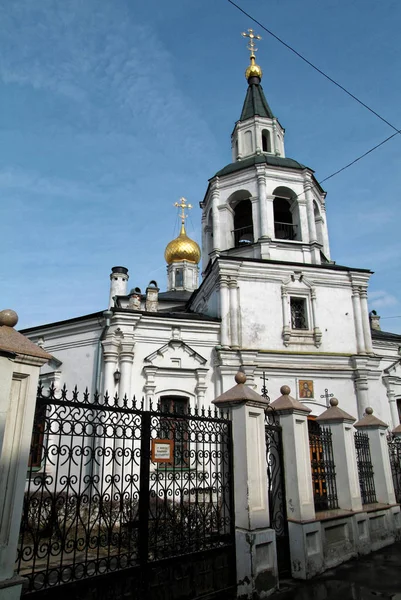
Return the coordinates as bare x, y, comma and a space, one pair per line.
285, 231
394, 449
323, 467
365, 468
118, 488
243, 236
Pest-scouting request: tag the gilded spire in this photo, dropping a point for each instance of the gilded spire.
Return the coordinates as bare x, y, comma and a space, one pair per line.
182, 248
253, 70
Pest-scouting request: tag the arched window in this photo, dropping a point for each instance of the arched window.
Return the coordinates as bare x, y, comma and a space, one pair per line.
266, 143
285, 207
243, 223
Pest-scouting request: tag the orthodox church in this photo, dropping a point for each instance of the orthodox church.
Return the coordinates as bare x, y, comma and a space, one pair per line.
271, 298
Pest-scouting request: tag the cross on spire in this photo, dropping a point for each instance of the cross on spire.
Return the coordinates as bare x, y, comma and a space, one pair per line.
252, 37
327, 396
183, 205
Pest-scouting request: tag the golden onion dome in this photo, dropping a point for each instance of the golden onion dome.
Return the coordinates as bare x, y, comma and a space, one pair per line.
182, 248
253, 70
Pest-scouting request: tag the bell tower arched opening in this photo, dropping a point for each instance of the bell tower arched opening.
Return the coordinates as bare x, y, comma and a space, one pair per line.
266, 141
286, 214
243, 223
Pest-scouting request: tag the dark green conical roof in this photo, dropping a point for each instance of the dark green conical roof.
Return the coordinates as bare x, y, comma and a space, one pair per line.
255, 102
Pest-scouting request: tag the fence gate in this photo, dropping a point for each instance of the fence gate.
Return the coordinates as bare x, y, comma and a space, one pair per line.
394, 448
123, 502
277, 501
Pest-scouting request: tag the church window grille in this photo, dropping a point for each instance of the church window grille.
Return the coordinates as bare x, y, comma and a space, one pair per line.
174, 428
299, 318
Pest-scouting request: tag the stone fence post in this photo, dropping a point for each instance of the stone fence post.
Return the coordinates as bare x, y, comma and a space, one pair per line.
20, 361
256, 558
344, 454
377, 433
297, 464
298, 484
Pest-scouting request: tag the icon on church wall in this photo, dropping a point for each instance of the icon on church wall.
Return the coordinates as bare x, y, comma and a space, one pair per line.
305, 388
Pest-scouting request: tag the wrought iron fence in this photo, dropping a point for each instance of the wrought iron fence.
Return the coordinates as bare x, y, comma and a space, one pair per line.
277, 500
365, 468
394, 448
323, 467
112, 486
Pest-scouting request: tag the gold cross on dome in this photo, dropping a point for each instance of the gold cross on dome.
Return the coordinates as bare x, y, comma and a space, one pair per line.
252, 37
183, 205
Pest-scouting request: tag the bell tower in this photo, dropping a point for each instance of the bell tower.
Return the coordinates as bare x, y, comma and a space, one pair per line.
263, 204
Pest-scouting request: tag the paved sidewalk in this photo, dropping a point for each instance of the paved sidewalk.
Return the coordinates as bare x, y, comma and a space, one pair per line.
373, 577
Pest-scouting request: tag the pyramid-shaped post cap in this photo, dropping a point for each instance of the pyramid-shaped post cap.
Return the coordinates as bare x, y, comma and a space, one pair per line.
286, 403
334, 414
369, 420
240, 393
397, 430
13, 342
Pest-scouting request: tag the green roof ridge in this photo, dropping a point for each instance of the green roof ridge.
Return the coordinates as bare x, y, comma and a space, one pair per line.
269, 159
255, 103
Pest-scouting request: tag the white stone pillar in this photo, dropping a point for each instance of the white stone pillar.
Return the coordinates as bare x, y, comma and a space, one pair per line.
110, 357
297, 464
303, 220
264, 233
310, 213
224, 313
215, 215
377, 432
20, 361
255, 541
233, 287
362, 390
126, 362
317, 334
284, 309
344, 455
356, 304
270, 216
365, 320
255, 218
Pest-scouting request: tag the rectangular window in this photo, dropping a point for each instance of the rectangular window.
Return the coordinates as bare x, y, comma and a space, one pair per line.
175, 428
299, 318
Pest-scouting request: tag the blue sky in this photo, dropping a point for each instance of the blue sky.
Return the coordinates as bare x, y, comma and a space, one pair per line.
110, 111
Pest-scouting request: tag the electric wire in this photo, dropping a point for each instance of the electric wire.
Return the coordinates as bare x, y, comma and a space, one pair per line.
308, 62
360, 157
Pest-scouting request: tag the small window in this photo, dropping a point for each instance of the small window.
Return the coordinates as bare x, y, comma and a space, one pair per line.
298, 313
179, 278
266, 145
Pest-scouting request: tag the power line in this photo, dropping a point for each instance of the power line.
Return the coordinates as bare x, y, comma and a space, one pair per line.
308, 62
397, 131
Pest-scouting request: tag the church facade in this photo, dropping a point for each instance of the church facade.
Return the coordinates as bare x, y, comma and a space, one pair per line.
271, 299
